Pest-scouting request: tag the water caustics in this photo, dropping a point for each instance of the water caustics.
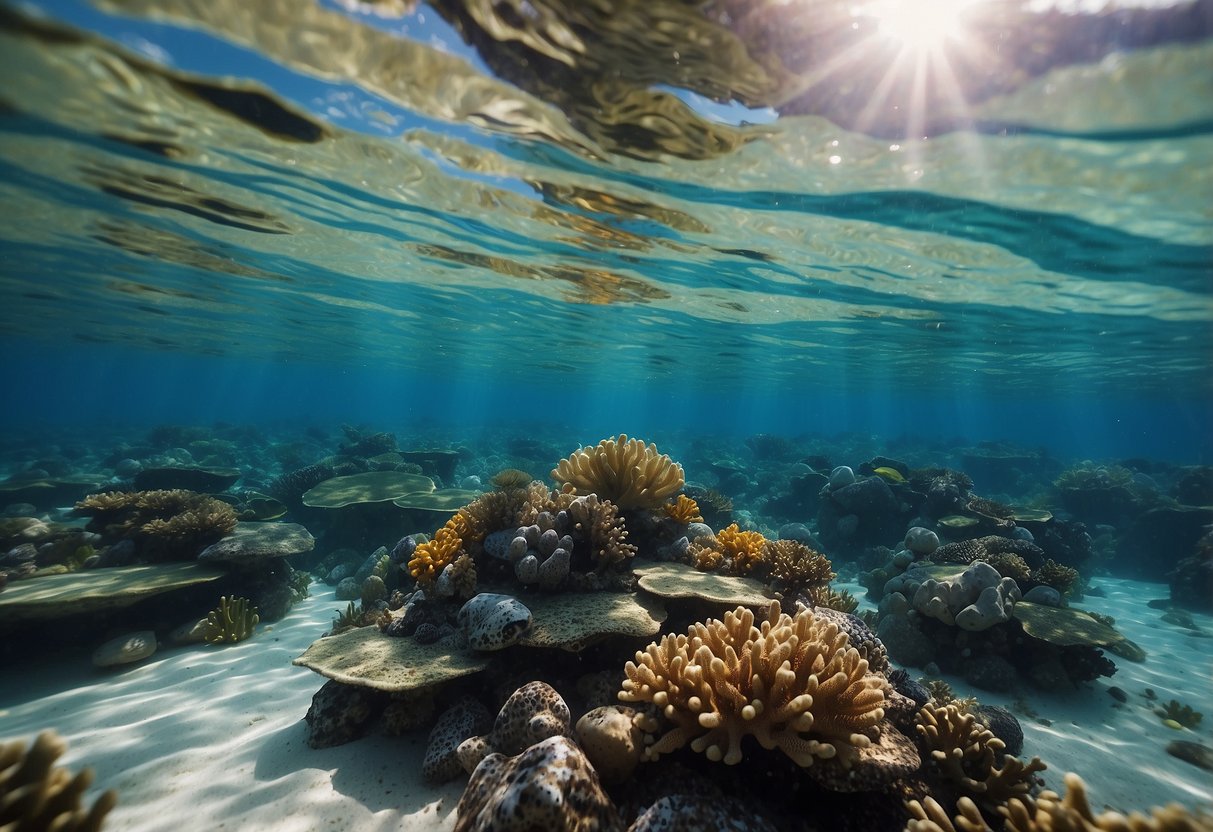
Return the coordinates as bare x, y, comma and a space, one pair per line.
708, 193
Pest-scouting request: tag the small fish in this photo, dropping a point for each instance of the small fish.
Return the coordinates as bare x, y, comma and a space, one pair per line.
889, 474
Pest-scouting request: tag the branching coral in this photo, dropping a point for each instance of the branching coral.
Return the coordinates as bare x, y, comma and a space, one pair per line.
733, 551
968, 754
1061, 578
1050, 812
608, 537
795, 568
794, 684
164, 524
35, 795
625, 471
842, 601
684, 510
233, 620
430, 557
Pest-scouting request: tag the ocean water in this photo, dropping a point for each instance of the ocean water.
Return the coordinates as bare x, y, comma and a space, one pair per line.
841, 227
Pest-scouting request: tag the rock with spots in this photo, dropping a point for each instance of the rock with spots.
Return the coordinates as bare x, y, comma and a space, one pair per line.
341, 713
550, 785
534, 712
466, 718
493, 621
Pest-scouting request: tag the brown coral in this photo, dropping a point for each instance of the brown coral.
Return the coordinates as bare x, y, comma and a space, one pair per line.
34, 794
600, 522
1050, 812
510, 479
794, 684
795, 568
732, 551
625, 471
164, 524
968, 754
684, 510
1061, 578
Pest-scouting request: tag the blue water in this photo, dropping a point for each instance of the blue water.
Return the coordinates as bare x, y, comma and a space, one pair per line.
391, 257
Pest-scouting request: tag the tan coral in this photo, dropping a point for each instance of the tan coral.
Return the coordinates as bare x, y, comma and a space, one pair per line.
968, 754
794, 684
35, 794
625, 471
745, 550
795, 568
599, 520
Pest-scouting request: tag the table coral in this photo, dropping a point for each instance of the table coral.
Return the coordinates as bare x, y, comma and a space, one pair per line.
625, 471
34, 794
794, 684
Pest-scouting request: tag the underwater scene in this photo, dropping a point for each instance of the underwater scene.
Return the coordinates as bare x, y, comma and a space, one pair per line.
645, 415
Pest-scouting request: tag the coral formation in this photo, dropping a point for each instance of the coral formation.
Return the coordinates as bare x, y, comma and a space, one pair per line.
37, 795
532, 713
509, 479
233, 620
625, 471
684, 510
430, 557
983, 548
1062, 578
164, 525
794, 684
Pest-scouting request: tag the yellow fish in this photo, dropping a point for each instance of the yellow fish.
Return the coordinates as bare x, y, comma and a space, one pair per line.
889, 474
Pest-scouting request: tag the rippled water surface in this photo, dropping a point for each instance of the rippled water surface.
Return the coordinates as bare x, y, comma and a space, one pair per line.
414, 188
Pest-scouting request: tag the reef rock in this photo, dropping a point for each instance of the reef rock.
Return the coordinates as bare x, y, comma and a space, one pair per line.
132, 647
254, 542
550, 785
493, 621
466, 718
534, 712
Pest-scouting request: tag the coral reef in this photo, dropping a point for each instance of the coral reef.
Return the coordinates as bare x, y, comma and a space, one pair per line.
37, 795
430, 557
794, 684
625, 471
164, 525
233, 620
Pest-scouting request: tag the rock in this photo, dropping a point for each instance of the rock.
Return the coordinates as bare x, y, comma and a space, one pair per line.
905, 643
493, 621
255, 542
990, 672
1042, 594
466, 718
551, 785
132, 647
1002, 724
684, 812
340, 713
798, 532
612, 741
191, 632
1195, 753
993, 606
534, 712
921, 541
841, 476
349, 589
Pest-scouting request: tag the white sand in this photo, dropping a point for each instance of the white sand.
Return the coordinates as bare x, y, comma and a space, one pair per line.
213, 736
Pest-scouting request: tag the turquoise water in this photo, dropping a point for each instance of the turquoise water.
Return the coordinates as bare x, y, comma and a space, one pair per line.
206, 219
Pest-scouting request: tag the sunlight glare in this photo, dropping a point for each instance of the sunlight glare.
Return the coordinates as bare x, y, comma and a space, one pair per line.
920, 25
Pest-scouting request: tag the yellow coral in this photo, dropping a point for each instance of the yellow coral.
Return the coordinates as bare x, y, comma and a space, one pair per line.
429, 558
625, 471
684, 510
34, 794
744, 549
794, 684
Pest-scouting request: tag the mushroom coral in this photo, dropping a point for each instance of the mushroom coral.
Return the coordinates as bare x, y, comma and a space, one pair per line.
625, 471
793, 682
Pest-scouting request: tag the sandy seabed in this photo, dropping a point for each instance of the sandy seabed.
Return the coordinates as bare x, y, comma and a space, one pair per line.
214, 737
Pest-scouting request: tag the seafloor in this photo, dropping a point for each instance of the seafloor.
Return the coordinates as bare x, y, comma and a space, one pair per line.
215, 732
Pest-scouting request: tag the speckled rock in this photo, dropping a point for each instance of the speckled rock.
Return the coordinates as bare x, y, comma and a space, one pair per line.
1002, 724
340, 714
407, 711
132, 647
693, 813
466, 718
550, 785
492, 622
534, 712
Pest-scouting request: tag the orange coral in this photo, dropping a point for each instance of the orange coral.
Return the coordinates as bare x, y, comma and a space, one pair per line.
685, 510
745, 549
429, 558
